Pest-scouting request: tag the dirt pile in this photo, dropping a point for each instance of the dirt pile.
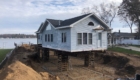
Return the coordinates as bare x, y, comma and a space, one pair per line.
19, 71
120, 63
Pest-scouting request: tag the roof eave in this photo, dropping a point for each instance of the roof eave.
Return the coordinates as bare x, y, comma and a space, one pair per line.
62, 27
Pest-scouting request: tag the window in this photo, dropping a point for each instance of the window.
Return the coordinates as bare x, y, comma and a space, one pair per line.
79, 38
63, 35
48, 37
90, 24
100, 36
89, 38
51, 37
38, 36
84, 38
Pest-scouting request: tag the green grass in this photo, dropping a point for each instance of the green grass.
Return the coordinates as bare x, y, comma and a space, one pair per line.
3, 53
122, 50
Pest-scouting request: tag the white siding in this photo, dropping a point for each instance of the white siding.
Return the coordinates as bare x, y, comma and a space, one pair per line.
82, 27
71, 37
39, 41
104, 39
57, 42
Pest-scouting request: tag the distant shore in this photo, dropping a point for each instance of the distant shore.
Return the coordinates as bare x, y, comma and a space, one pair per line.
18, 38
15, 36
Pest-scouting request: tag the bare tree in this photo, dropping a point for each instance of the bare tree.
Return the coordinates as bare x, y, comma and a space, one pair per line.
128, 22
106, 11
130, 9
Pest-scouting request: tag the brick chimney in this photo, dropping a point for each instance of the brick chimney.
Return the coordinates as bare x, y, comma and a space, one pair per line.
119, 31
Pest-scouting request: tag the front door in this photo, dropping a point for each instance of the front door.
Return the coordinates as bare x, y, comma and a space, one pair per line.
99, 39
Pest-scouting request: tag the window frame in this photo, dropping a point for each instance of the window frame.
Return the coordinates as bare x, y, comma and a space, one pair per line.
79, 39
45, 38
48, 37
90, 24
51, 37
63, 37
87, 38
90, 38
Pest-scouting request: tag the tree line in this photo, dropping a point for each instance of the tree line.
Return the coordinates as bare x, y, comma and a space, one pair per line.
17, 36
128, 12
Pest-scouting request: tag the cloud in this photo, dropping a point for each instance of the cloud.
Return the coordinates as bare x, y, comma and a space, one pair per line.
27, 15
39, 7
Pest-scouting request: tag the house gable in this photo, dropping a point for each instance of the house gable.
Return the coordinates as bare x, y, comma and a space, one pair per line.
83, 25
104, 25
48, 27
45, 26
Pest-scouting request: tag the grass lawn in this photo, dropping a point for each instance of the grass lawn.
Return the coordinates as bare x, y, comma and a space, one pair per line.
122, 50
3, 53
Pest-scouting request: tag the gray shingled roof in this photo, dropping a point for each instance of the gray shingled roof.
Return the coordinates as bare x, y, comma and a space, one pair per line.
66, 22
117, 34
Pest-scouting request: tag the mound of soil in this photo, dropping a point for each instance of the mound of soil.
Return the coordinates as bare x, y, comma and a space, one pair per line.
128, 69
120, 63
19, 71
115, 61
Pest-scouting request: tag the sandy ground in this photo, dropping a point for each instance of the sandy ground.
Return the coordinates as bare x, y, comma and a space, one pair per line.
105, 67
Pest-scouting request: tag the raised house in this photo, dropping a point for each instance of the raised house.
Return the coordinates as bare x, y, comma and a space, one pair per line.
83, 33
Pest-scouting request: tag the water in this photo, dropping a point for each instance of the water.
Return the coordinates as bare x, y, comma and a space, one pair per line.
9, 43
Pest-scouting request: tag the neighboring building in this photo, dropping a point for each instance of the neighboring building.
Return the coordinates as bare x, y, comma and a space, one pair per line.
83, 33
122, 38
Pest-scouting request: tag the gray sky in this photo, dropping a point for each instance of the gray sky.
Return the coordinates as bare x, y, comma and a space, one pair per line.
25, 16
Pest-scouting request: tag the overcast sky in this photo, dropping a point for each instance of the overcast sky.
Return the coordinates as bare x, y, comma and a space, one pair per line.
25, 16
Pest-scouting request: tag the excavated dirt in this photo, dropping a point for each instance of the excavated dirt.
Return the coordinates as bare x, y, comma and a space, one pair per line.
19, 67
107, 66
123, 64
19, 71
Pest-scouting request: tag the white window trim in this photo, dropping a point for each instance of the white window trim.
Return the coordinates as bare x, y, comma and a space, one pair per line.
82, 38
63, 35
87, 38
90, 38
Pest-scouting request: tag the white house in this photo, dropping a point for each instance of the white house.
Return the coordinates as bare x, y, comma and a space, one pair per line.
83, 33
125, 38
